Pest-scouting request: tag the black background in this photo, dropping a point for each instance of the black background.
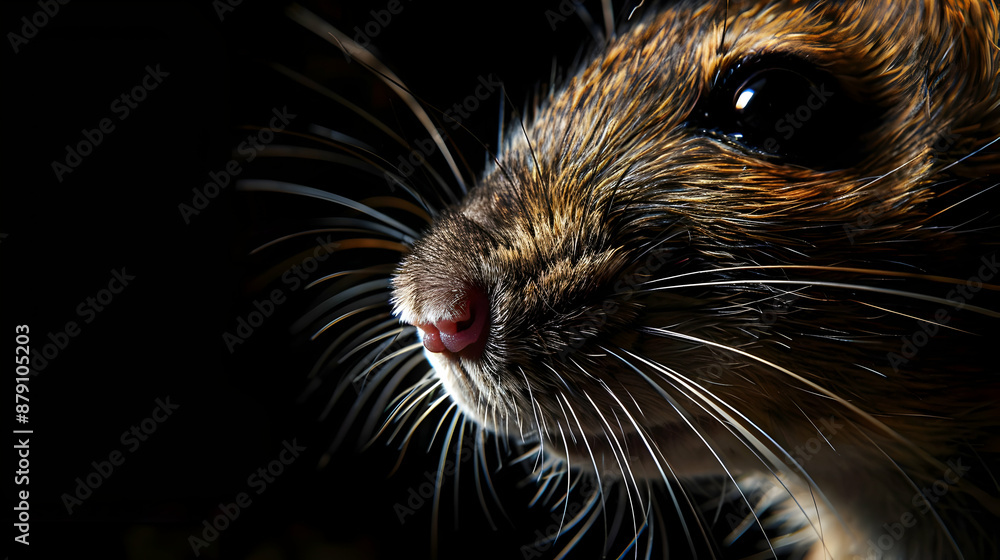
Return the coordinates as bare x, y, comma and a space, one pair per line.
162, 335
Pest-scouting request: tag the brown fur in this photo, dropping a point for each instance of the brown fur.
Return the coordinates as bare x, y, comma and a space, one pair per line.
581, 233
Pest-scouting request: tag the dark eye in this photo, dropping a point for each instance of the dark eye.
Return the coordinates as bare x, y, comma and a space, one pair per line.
789, 109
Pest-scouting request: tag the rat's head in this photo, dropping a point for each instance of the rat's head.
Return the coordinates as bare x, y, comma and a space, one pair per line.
719, 230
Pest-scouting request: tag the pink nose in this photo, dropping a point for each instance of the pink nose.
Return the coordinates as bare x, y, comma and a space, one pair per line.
467, 330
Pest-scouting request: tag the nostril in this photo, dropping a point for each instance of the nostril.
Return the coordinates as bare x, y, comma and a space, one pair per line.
465, 331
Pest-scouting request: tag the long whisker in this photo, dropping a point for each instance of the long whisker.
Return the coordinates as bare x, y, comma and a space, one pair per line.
264, 185
426, 413
708, 444
390, 388
586, 444
586, 526
342, 41
813, 385
562, 434
915, 318
539, 419
618, 452
862, 287
436, 505
873, 271
656, 455
481, 465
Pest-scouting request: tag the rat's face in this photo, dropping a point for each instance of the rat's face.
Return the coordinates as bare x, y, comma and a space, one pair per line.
719, 225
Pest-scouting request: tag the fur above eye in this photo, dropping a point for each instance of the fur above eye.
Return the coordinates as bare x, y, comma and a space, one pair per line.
786, 108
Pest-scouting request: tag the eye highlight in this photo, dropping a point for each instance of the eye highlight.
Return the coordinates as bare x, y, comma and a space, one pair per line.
789, 109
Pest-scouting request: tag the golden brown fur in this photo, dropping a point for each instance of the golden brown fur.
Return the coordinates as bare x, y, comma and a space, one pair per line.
666, 301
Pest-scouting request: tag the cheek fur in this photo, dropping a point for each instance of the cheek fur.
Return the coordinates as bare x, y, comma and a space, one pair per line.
635, 294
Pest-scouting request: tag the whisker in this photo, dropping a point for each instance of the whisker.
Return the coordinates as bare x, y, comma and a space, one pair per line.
594, 512
862, 287
972, 154
339, 99
937, 517
919, 319
392, 335
352, 331
616, 445
709, 446
436, 504
326, 31
415, 425
263, 185
353, 225
365, 393
562, 518
812, 384
873, 271
480, 464
535, 409
757, 448
385, 397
